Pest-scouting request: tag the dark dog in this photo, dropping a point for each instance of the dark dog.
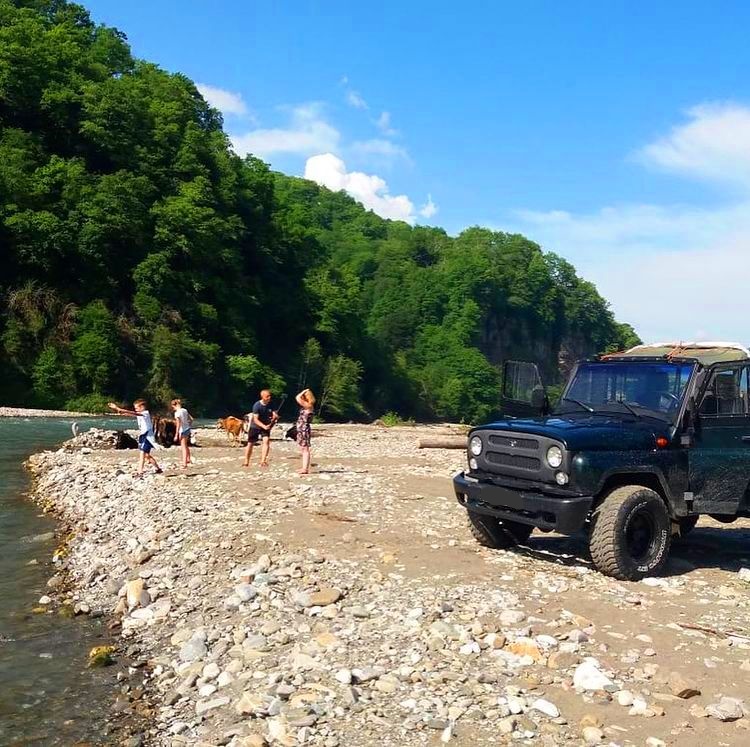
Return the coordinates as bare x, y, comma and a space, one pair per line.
124, 441
165, 430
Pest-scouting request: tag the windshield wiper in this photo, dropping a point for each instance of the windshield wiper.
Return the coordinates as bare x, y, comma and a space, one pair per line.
629, 407
586, 407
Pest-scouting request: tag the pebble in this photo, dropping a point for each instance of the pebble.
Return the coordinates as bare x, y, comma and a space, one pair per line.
682, 687
624, 698
727, 709
204, 706
193, 649
545, 707
325, 596
588, 676
592, 735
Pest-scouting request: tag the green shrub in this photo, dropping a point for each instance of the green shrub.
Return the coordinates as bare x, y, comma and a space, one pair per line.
393, 419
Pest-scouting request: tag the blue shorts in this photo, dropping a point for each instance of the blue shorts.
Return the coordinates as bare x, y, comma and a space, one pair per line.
144, 444
185, 434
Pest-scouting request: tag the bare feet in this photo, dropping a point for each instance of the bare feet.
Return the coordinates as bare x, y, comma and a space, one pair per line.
264, 464
303, 471
245, 464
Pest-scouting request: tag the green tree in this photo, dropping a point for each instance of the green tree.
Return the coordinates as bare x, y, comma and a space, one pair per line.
141, 254
249, 376
95, 348
341, 397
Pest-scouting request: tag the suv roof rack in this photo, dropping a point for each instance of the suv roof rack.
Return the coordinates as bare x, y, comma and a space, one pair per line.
705, 352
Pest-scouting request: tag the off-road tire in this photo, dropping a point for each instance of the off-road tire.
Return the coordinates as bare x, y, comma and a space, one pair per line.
687, 524
498, 534
631, 535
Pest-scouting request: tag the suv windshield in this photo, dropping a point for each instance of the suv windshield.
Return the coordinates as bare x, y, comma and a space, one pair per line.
639, 388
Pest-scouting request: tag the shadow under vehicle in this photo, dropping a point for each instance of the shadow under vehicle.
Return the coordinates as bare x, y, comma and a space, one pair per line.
640, 444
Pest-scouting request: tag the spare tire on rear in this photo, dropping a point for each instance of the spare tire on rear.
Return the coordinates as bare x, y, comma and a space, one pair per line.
631, 533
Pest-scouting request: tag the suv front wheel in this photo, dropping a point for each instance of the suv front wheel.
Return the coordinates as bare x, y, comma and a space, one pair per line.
631, 533
498, 534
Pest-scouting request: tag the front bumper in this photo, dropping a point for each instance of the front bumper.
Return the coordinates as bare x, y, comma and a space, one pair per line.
564, 514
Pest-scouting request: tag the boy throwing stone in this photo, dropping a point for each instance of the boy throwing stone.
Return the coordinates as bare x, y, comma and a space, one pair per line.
146, 440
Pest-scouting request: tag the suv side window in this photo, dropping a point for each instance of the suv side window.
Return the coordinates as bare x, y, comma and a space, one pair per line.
727, 393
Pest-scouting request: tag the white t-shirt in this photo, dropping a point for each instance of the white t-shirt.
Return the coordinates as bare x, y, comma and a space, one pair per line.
145, 426
182, 416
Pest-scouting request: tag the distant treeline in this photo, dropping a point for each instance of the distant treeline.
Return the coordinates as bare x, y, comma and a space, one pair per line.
140, 255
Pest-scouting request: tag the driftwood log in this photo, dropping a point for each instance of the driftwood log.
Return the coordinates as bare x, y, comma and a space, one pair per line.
444, 442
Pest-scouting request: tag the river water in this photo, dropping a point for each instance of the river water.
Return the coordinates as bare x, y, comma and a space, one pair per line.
47, 694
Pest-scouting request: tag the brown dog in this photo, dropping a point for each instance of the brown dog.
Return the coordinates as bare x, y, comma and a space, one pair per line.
233, 428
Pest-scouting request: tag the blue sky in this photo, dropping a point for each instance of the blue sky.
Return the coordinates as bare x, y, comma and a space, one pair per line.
616, 134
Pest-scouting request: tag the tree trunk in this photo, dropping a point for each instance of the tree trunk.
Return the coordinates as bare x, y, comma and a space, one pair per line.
447, 442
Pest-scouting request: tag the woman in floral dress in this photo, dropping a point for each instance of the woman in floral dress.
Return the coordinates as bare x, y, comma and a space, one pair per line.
306, 401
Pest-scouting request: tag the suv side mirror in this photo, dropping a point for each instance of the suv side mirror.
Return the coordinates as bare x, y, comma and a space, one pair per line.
523, 392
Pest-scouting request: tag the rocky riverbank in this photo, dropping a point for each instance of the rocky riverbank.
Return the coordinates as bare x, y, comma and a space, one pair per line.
352, 607
25, 412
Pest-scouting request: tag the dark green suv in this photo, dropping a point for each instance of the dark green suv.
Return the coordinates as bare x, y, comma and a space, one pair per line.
640, 445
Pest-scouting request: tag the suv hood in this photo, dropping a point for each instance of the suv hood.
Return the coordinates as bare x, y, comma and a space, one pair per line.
590, 432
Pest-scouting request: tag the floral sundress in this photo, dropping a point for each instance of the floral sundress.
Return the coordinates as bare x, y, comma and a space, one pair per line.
304, 428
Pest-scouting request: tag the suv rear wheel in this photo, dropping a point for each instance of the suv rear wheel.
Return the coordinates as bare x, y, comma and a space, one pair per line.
498, 534
631, 534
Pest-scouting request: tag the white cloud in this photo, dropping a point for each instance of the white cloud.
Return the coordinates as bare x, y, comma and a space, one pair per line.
428, 209
369, 189
226, 102
308, 132
673, 271
714, 145
383, 123
378, 147
353, 98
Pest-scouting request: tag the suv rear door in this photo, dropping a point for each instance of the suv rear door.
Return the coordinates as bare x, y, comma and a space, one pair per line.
719, 471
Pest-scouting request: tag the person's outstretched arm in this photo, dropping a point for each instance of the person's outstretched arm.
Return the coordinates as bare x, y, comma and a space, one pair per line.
120, 410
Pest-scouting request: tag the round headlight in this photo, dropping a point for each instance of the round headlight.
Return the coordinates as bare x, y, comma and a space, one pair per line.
554, 456
475, 445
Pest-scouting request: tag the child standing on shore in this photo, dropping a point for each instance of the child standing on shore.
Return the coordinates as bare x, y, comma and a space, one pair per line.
146, 440
184, 421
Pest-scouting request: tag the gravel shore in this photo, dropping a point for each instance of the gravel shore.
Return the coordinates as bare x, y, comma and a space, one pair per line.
352, 607
25, 412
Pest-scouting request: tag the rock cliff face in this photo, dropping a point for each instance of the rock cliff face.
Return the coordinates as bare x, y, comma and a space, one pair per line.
554, 353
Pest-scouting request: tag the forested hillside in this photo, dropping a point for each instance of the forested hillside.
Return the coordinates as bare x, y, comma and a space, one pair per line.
141, 255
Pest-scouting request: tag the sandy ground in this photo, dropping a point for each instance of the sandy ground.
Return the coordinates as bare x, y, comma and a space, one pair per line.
382, 515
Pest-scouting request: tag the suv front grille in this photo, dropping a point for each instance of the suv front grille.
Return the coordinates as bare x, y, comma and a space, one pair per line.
514, 460
519, 455
514, 443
